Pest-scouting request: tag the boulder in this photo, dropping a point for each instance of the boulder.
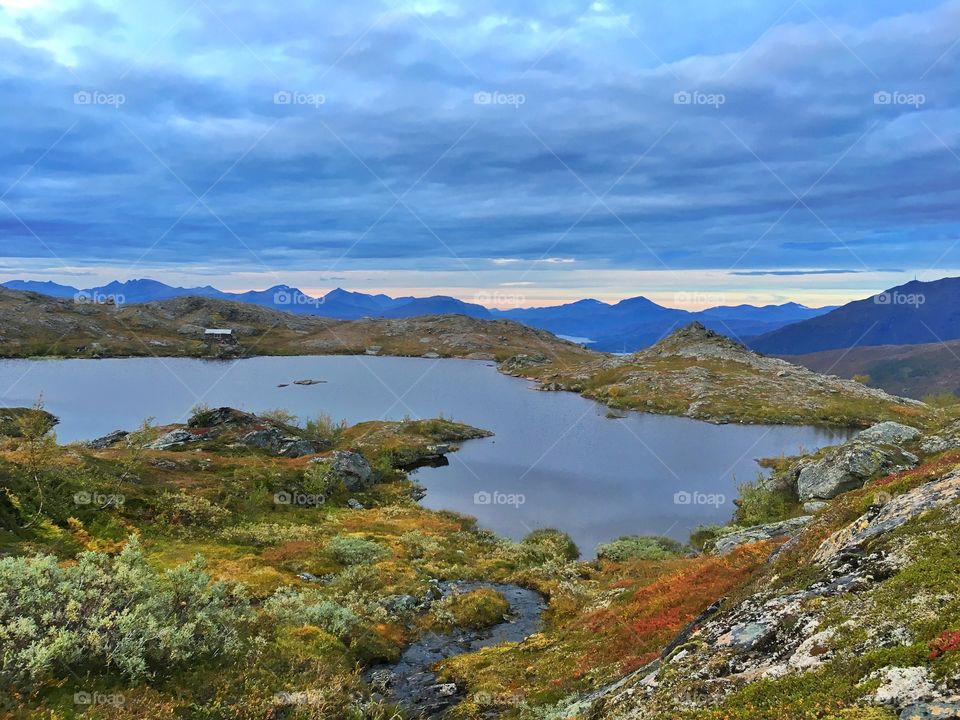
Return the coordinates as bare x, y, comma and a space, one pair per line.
758, 533
889, 516
844, 468
107, 440
277, 441
900, 686
172, 439
931, 711
353, 469
890, 433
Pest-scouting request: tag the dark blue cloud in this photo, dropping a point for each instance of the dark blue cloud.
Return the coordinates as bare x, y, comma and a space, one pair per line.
784, 154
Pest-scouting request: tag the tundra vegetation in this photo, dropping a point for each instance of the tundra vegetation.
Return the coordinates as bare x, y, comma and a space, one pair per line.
205, 575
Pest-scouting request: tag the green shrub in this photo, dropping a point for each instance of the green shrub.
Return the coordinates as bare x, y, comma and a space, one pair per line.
324, 431
476, 609
113, 614
292, 607
640, 547
548, 544
191, 511
758, 505
201, 416
348, 550
941, 400
319, 479
418, 544
702, 535
280, 416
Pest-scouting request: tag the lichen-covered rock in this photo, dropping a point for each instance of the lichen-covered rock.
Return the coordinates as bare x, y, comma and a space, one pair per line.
172, 439
107, 440
844, 468
891, 515
728, 543
353, 469
901, 686
931, 711
891, 433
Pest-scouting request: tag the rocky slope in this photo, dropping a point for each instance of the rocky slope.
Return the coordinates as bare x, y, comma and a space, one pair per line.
856, 616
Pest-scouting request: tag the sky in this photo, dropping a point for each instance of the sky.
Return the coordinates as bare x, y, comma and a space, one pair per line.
522, 152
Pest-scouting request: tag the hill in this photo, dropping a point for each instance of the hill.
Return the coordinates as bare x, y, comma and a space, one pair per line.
910, 370
911, 314
701, 374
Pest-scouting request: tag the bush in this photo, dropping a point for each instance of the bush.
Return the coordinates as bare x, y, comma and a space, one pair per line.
640, 547
292, 607
114, 614
941, 400
324, 431
190, 510
280, 416
758, 505
201, 416
477, 609
319, 479
702, 535
348, 550
548, 544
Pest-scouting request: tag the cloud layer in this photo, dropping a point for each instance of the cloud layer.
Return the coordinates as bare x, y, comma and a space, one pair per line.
498, 139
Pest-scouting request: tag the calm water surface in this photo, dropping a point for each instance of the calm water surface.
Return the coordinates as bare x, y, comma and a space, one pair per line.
556, 459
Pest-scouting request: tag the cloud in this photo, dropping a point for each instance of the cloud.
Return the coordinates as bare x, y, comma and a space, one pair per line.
602, 165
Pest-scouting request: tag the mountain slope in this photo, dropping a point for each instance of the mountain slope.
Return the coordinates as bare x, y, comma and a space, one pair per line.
911, 370
911, 314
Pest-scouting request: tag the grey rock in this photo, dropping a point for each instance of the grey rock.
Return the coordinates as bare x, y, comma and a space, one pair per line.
401, 603
892, 433
845, 468
354, 504
757, 533
931, 711
900, 686
172, 439
107, 440
164, 464
445, 690
353, 469
298, 448
814, 506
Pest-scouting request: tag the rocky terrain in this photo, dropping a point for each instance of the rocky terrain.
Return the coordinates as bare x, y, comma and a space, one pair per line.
698, 373
325, 590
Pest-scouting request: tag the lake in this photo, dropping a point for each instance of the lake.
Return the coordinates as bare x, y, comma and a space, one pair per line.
556, 460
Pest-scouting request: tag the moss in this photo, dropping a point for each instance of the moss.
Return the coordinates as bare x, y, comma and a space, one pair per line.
477, 609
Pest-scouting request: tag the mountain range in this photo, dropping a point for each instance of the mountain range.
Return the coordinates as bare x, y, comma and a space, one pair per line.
626, 326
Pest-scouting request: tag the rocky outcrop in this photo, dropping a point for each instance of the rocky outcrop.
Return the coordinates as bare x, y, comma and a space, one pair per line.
278, 442
873, 452
351, 468
882, 519
107, 440
730, 542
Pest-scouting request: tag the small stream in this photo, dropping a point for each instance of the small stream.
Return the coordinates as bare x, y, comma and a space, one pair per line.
411, 684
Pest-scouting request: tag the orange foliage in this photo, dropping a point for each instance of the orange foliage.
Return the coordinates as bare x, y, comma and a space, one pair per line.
635, 629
